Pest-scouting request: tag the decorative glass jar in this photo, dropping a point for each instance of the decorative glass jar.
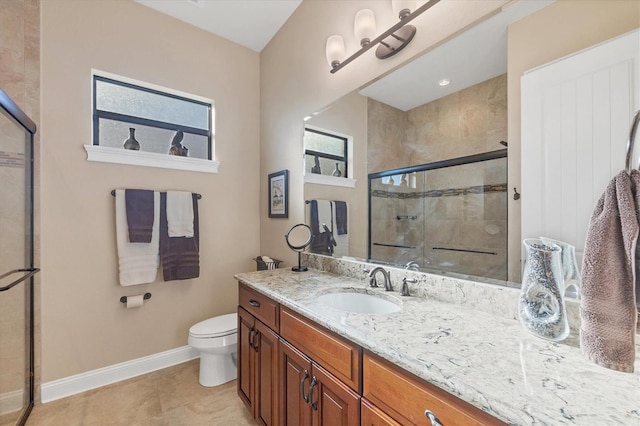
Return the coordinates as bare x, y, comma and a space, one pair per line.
541, 305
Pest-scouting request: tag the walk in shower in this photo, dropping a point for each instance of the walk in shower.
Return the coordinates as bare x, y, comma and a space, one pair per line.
448, 216
16, 263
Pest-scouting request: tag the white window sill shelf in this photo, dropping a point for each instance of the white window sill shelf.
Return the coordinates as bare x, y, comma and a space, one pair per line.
149, 159
329, 180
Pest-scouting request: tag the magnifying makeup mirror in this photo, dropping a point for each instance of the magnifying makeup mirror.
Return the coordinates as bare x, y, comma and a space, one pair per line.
298, 239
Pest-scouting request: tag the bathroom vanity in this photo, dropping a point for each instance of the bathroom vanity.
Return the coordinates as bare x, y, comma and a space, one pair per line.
304, 361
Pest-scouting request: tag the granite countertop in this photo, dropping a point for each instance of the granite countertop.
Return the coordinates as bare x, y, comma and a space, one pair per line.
487, 360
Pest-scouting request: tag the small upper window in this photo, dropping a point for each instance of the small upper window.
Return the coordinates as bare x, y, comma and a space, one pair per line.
325, 153
143, 117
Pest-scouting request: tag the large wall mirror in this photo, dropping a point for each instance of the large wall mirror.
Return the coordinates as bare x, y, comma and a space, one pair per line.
430, 154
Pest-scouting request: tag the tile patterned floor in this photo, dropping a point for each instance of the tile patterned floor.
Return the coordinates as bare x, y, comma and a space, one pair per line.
171, 396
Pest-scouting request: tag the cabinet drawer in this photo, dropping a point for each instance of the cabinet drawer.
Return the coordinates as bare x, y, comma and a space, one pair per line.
405, 397
337, 355
260, 306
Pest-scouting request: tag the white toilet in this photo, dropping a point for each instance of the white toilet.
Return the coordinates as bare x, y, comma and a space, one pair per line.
216, 338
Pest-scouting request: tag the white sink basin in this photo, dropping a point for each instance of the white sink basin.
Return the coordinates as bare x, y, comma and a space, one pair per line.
362, 303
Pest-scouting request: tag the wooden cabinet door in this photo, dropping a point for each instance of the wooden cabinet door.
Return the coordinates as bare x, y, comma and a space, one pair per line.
266, 384
295, 377
333, 403
370, 415
246, 331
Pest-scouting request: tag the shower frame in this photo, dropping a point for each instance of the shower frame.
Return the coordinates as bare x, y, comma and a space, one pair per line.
458, 161
14, 111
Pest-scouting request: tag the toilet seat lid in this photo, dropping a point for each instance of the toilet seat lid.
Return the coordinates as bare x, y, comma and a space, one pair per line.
217, 326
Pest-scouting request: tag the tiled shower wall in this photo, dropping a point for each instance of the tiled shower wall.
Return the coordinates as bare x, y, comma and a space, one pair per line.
463, 207
20, 79
471, 121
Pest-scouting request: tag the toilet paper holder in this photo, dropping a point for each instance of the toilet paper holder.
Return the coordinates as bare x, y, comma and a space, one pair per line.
146, 296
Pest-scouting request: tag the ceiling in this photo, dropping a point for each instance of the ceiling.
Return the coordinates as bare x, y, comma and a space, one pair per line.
250, 23
474, 56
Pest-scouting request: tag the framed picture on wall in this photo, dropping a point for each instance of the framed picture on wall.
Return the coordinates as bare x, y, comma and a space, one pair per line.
279, 194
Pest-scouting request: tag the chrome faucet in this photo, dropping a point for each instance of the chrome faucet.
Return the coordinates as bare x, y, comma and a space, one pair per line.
412, 266
405, 287
385, 274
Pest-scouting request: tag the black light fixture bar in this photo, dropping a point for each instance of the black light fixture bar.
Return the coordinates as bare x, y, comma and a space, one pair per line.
401, 23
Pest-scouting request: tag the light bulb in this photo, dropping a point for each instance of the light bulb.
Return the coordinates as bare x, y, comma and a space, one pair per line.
364, 26
335, 50
403, 8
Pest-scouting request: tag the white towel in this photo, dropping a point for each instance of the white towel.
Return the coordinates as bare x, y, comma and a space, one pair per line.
138, 262
325, 214
180, 214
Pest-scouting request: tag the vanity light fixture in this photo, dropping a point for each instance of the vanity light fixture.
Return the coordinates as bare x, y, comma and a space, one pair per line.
364, 26
389, 42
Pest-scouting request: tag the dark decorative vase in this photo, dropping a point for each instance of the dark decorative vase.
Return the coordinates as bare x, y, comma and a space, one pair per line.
316, 168
337, 172
132, 143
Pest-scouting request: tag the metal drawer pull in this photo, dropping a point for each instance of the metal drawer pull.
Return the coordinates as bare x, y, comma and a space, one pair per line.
251, 331
255, 345
304, 379
313, 384
432, 417
254, 303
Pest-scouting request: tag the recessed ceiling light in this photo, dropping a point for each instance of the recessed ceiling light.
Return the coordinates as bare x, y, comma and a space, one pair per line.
444, 82
199, 3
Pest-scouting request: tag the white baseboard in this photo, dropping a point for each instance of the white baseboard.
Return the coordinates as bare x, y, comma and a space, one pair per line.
10, 402
72, 385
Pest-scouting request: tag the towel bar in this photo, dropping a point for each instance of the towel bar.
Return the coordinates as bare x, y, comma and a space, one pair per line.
113, 192
632, 136
146, 296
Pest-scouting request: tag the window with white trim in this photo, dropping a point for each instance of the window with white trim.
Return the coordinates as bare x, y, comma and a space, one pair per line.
161, 121
325, 153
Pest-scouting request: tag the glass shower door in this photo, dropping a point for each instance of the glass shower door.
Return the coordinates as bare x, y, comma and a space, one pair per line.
16, 269
396, 218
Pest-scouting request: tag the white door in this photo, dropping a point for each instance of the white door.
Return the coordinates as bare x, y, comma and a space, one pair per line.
576, 115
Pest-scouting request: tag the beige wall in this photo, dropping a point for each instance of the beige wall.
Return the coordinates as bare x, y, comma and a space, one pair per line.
295, 81
84, 325
560, 29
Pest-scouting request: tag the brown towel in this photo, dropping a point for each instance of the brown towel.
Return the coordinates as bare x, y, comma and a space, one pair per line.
179, 255
139, 205
608, 307
341, 217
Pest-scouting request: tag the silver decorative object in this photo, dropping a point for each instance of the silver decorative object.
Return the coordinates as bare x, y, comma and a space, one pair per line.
541, 305
570, 269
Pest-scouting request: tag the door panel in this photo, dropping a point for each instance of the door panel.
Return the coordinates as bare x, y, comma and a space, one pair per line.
337, 404
576, 114
295, 378
245, 357
267, 374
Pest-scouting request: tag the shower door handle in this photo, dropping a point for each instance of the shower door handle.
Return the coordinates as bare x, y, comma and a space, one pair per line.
29, 273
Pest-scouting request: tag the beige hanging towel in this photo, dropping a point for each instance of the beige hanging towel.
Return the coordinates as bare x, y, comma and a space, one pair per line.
608, 309
137, 262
